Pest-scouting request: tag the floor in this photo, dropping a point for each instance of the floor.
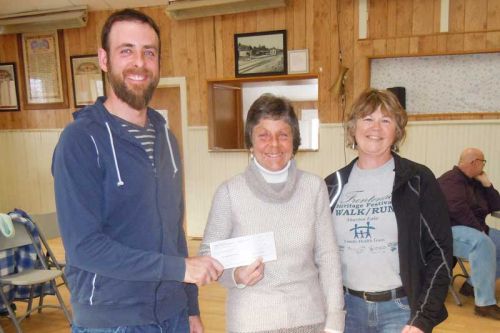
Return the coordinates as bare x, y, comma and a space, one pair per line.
212, 298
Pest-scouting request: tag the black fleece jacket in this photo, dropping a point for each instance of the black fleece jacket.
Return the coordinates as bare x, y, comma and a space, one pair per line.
424, 236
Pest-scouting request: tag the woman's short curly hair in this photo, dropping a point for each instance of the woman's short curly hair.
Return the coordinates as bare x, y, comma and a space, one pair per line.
367, 103
269, 106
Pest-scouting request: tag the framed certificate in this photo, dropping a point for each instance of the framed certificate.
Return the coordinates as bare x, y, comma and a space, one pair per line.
43, 70
298, 61
9, 96
88, 79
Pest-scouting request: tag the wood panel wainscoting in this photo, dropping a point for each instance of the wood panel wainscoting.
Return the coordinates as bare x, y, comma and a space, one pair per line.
212, 304
27, 182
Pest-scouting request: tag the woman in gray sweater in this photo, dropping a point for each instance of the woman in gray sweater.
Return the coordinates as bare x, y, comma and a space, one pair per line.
301, 291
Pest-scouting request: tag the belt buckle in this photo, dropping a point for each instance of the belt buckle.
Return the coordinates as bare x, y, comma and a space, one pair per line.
364, 296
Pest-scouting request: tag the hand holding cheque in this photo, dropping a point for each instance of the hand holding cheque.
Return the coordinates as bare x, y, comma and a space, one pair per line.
247, 253
202, 270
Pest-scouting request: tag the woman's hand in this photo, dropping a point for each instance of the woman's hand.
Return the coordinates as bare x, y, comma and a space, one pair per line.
411, 329
251, 274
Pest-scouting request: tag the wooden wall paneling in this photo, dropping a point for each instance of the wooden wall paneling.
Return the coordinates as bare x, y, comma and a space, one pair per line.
167, 46
441, 43
475, 15
289, 21
427, 44
377, 19
404, 21
493, 16
298, 27
414, 44
423, 17
206, 64
379, 47
193, 73
265, 20
457, 16
322, 54
309, 28
475, 41
218, 46
391, 46
329, 115
279, 15
455, 43
362, 52
437, 17
69, 76
493, 40
179, 47
392, 14
228, 30
348, 35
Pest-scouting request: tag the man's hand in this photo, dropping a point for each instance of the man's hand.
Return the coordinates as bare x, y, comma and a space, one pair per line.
483, 178
411, 329
251, 274
195, 324
202, 270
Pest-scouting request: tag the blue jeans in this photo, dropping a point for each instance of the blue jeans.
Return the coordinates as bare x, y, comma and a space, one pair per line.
375, 317
483, 253
176, 324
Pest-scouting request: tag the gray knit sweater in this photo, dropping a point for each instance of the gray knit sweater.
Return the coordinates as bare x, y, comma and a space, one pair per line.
303, 287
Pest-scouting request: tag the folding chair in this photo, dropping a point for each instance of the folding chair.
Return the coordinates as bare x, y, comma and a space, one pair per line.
464, 274
47, 229
29, 277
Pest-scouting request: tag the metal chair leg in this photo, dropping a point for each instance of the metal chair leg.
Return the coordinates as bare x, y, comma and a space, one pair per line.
12, 315
61, 301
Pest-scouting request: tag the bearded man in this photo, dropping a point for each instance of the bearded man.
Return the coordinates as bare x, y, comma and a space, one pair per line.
118, 187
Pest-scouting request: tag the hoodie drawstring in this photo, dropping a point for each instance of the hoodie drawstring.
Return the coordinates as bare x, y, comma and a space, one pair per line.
120, 182
170, 148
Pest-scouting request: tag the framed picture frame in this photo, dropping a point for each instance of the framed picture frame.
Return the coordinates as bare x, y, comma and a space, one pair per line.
298, 61
43, 70
87, 78
260, 53
9, 93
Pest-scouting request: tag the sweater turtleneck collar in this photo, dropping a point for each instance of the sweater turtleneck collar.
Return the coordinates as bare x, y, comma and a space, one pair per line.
273, 177
269, 191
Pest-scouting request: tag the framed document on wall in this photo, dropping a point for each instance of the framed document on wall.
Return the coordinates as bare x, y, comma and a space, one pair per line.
88, 79
9, 96
43, 70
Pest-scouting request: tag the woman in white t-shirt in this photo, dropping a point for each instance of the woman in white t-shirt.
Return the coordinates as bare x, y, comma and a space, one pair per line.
391, 224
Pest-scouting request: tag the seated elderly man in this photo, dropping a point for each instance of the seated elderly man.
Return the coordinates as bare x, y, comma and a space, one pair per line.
471, 197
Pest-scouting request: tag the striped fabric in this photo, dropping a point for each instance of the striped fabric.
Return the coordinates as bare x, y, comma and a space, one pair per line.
145, 135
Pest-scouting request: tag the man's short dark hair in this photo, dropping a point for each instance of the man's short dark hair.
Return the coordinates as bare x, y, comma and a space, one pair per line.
126, 15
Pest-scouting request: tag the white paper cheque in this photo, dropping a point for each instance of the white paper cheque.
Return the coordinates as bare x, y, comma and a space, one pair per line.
242, 251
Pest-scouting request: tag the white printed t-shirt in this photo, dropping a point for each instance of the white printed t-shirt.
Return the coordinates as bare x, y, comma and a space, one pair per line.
366, 229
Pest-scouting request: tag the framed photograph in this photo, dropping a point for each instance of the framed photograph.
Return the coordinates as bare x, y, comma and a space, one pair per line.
298, 61
261, 53
43, 70
9, 96
88, 79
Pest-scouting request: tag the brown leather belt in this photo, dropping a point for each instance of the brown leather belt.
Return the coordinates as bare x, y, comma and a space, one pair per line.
377, 296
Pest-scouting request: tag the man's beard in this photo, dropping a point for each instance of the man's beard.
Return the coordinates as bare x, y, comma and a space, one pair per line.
137, 98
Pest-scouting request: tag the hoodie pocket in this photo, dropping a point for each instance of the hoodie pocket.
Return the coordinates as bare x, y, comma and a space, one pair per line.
80, 283
109, 291
93, 289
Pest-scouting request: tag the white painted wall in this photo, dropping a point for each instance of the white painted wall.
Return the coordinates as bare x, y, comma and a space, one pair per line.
26, 181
